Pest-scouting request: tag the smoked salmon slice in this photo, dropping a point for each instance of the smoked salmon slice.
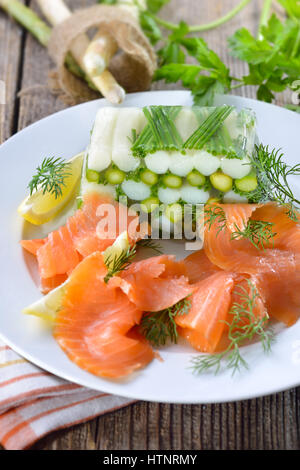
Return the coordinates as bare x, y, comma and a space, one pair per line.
281, 295
94, 325
203, 326
240, 255
92, 228
155, 283
32, 246
199, 267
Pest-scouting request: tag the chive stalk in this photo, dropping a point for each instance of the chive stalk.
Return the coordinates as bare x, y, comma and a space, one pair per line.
208, 128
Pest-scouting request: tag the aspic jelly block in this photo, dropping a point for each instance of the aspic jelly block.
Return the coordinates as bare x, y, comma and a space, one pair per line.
172, 154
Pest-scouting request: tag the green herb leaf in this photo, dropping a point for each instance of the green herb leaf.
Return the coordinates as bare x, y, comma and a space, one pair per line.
159, 327
154, 6
150, 244
119, 263
245, 47
150, 27
214, 215
50, 176
273, 179
244, 326
258, 232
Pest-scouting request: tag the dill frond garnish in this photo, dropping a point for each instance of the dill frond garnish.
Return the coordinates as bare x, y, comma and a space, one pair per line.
116, 264
50, 176
214, 214
245, 326
208, 128
150, 244
159, 327
258, 232
272, 176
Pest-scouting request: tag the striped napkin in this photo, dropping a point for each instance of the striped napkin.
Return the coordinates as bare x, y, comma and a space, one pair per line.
34, 402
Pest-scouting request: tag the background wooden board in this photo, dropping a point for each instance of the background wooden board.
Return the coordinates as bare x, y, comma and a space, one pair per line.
265, 423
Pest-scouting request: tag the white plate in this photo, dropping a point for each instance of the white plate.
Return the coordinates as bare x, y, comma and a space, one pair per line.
65, 134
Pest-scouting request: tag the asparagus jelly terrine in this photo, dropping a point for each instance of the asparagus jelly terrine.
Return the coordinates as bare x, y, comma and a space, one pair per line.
171, 155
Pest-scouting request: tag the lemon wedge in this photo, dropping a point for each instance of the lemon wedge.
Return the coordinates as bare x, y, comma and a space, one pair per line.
120, 246
48, 306
39, 208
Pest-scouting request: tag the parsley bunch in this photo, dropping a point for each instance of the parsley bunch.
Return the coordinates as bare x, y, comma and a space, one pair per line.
272, 58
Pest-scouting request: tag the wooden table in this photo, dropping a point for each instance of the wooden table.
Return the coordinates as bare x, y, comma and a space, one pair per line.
271, 422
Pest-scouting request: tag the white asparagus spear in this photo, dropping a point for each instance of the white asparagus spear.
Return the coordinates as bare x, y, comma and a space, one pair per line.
100, 149
128, 119
56, 12
99, 52
186, 122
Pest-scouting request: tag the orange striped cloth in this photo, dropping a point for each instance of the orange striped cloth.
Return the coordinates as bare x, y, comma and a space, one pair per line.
33, 402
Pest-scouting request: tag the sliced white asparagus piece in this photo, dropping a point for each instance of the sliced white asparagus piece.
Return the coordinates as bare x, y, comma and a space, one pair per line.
168, 195
103, 189
206, 163
232, 125
251, 141
186, 123
193, 195
99, 53
158, 162
109, 88
56, 12
232, 198
181, 164
235, 167
128, 119
136, 190
100, 149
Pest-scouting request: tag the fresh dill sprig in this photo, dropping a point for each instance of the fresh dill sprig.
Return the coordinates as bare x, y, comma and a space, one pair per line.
214, 214
50, 176
159, 327
258, 232
244, 326
150, 244
119, 263
272, 175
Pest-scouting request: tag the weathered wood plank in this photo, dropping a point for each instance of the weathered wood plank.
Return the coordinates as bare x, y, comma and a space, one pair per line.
11, 57
265, 423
